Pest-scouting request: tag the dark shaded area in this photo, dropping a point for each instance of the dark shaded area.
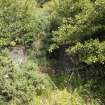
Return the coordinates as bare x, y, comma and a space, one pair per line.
93, 83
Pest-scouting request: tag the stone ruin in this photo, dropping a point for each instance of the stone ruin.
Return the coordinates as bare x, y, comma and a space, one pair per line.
18, 54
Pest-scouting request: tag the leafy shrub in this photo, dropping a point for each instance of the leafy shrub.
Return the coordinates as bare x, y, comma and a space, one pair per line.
91, 51
79, 20
19, 84
76, 18
24, 84
13, 21
20, 26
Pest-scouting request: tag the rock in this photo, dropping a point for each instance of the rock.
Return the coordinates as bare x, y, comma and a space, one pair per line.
18, 54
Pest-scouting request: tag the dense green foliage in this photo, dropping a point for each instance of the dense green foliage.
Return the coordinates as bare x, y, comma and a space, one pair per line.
19, 26
24, 84
19, 84
64, 98
91, 51
80, 20
14, 22
54, 29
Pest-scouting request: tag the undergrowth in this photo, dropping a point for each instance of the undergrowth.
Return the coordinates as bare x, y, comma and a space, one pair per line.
24, 84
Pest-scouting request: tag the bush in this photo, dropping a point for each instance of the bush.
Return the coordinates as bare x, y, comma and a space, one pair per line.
91, 51
13, 21
24, 84
19, 84
79, 21
20, 26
